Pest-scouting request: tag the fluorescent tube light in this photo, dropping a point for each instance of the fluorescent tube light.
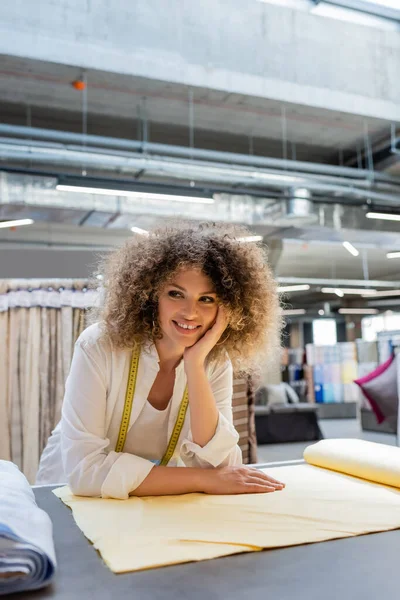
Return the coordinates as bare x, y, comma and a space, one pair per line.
271, 176
16, 223
384, 293
352, 291
139, 231
383, 216
294, 311
393, 255
350, 248
358, 311
250, 238
339, 292
293, 288
131, 194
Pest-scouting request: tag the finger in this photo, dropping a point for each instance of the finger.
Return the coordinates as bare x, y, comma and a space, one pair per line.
218, 326
277, 486
256, 488
267, 477
222, 318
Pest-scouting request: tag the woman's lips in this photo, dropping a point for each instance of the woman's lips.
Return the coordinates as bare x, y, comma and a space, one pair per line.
185, 331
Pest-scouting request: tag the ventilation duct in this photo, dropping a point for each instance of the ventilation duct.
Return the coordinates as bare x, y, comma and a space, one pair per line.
298, 209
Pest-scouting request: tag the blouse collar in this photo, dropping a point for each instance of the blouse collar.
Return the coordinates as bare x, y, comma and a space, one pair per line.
149, 351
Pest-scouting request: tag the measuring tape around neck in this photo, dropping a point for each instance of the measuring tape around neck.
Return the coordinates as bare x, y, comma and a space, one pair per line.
126, 414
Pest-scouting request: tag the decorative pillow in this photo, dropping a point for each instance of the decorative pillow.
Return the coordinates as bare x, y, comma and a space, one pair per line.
380, 389
280, 393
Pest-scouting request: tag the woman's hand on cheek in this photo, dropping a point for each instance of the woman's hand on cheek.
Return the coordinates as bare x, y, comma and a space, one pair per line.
197, 354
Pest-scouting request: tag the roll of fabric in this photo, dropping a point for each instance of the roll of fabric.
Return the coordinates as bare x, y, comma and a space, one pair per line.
367, 460
27, 556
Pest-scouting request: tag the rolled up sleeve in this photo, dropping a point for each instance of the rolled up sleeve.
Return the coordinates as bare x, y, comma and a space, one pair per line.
90, 468
222, 450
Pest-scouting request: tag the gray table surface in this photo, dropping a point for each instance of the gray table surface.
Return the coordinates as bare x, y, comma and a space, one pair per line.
359, 568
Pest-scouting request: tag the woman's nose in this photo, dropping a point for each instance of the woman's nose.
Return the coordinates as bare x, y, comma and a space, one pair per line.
190, 309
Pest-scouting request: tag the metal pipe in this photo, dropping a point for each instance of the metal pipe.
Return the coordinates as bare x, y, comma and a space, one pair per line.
14, 146
189, 169
182, 151
58, 153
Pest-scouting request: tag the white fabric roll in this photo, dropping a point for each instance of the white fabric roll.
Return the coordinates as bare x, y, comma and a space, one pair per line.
27, 556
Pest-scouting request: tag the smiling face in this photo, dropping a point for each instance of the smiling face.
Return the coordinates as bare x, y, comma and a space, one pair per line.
187, 307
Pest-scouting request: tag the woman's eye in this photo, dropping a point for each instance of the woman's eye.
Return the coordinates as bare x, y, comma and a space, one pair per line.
207, 299
174, 294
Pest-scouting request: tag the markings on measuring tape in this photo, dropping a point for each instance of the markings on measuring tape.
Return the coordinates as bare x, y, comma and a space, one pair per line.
177, 429
130, 390
126, 414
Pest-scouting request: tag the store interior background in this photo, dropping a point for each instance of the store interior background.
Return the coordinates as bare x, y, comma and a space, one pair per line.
282, 115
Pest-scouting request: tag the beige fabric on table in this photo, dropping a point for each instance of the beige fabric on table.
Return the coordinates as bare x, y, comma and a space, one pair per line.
316, 505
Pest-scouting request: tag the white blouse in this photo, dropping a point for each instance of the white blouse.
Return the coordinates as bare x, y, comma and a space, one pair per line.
81, 449
148, 435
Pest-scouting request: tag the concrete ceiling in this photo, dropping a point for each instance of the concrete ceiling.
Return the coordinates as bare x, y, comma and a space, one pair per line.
40, 93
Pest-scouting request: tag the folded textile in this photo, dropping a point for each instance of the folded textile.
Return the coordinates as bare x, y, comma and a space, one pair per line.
27, 557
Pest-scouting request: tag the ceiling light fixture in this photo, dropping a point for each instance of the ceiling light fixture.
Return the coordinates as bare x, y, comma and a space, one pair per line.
383, 294
15, 223
139, 231
250, 238
358, 311
393, 255
131, 194
293, 288
321, 312
294, 312
383, 216
352, 291
339, 292
350, 248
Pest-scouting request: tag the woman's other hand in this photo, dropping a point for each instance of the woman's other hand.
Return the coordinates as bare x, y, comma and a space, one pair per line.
239, 480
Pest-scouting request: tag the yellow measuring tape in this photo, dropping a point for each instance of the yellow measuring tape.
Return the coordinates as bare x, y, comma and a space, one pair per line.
126, 415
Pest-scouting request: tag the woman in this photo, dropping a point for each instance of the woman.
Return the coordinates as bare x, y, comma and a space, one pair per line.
150, 384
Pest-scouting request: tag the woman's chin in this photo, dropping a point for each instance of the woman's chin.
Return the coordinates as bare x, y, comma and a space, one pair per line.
181, 340
185, 343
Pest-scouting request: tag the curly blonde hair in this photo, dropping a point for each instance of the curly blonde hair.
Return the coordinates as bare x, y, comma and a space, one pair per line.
135, 274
